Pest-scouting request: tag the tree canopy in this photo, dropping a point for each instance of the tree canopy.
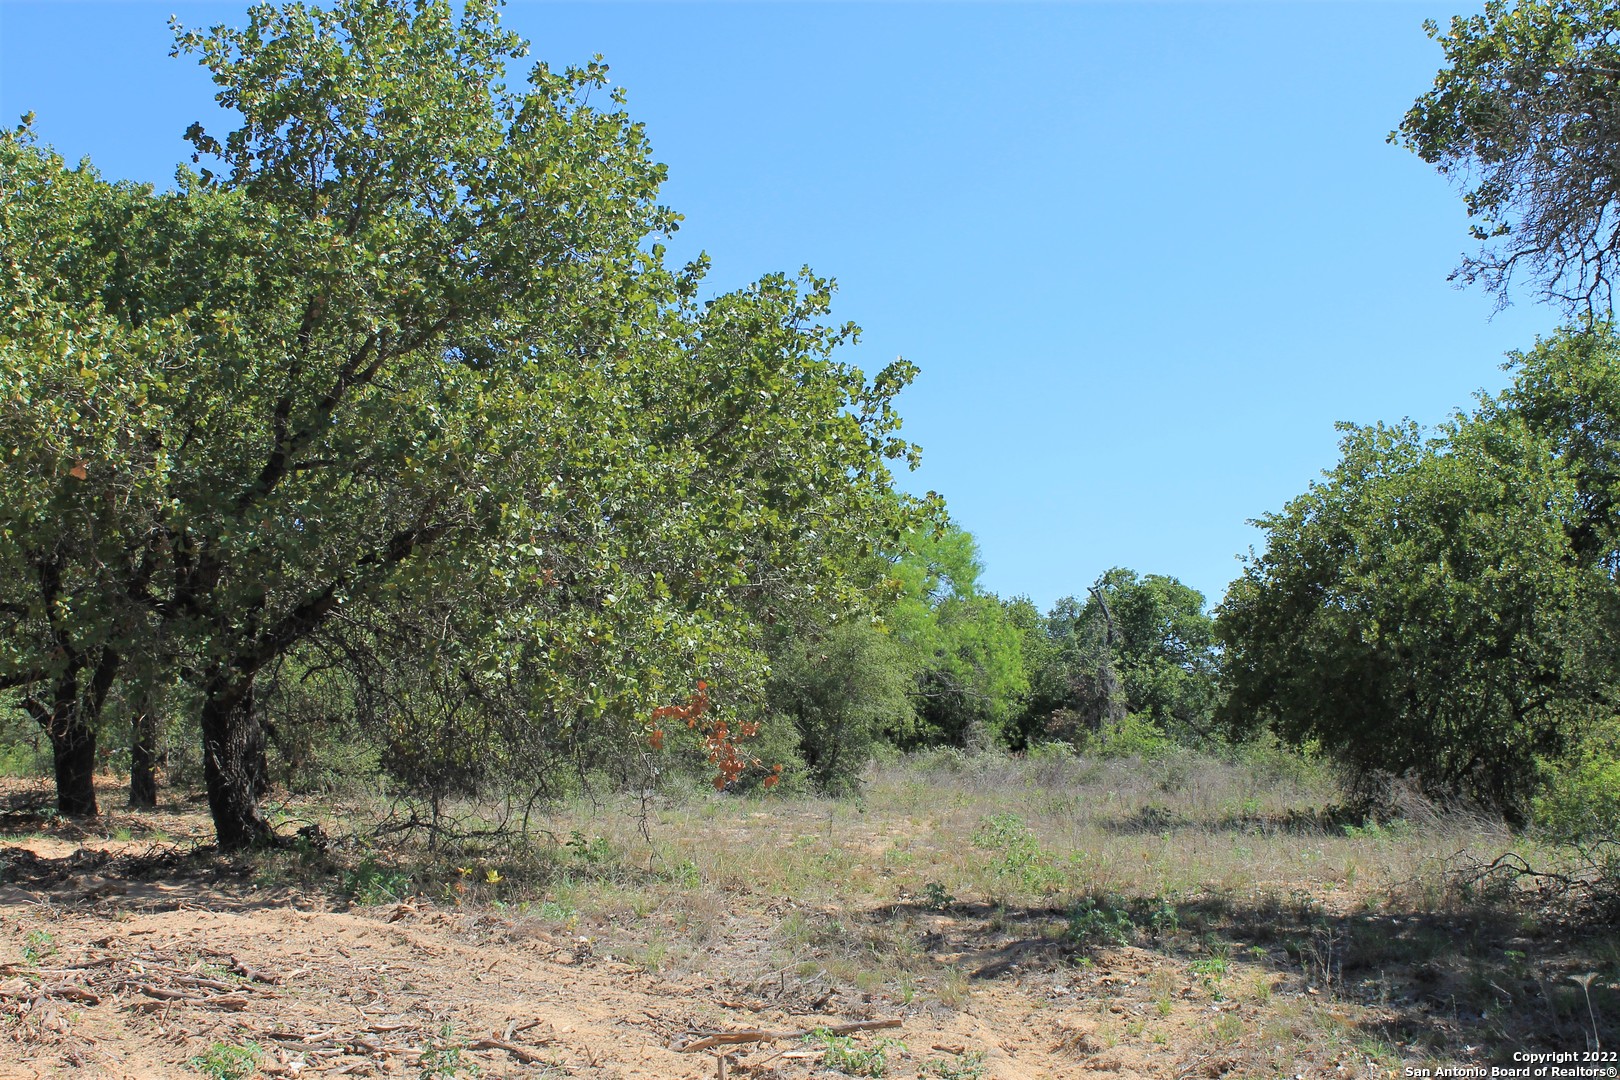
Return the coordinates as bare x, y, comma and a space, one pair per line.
1442, 605
1525, 115
410, 331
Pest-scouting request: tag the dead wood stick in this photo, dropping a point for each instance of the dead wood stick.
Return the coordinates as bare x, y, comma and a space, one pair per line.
166, 994
526, 1056
68, 991
731, 1038
65, 969
233, 1002
253, 974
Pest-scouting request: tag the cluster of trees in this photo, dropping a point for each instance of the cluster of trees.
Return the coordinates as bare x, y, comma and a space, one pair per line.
392, 428
395, 414
1443, 605
947, 663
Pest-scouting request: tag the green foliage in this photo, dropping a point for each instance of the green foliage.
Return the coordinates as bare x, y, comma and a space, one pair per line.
222, 1061
969, 1065
1134, 736
592, 850
840, 688
372, 883
442, 1057
37, 945
966, 646
1138, 646
1580, 803
1440, 605
1019, 855
1524, 115
1091, 923
841, 1053
395, 404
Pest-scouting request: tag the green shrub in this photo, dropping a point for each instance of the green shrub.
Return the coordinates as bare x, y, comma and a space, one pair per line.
1135, 736
1580, 802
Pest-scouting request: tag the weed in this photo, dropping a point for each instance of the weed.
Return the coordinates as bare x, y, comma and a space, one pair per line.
968, 1066
1020, 855
1091, 923
594, 850
935, 898
441, 1057
37, 945
369, 884
224, 1062
839, 1052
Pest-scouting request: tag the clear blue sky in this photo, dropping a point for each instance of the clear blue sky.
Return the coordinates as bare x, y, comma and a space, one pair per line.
1145, 255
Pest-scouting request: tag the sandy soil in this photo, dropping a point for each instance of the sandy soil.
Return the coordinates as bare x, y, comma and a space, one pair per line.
135, 959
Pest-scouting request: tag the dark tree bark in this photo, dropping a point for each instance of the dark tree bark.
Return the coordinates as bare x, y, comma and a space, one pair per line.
234, 764
143, 737
73, 748
73, 745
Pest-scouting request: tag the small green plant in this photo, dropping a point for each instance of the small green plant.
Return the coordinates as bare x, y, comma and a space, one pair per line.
1210, 972
1091, 923
370, 883
592, 850
1020, 854
969, 1066
935, 898
224, 1062
441, 1057
839, 1052
37, 945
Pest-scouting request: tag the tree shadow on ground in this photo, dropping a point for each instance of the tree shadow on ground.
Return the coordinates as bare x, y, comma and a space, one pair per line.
1474, 985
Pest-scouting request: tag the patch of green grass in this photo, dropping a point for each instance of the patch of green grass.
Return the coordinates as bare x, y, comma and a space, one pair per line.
221, 1061
370, 883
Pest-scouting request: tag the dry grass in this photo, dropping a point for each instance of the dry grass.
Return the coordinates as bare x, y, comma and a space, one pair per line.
1183, 916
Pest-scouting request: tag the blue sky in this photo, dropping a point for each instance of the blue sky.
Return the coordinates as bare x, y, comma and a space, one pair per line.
1145, 254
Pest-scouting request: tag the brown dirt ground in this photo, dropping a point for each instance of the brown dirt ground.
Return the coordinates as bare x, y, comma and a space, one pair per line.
133, 958
146, 976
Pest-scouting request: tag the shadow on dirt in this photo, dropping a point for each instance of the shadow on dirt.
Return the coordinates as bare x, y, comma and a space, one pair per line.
1475, 985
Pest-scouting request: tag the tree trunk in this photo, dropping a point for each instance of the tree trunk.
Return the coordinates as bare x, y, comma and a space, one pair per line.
73, 745
143, 736
233, 764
